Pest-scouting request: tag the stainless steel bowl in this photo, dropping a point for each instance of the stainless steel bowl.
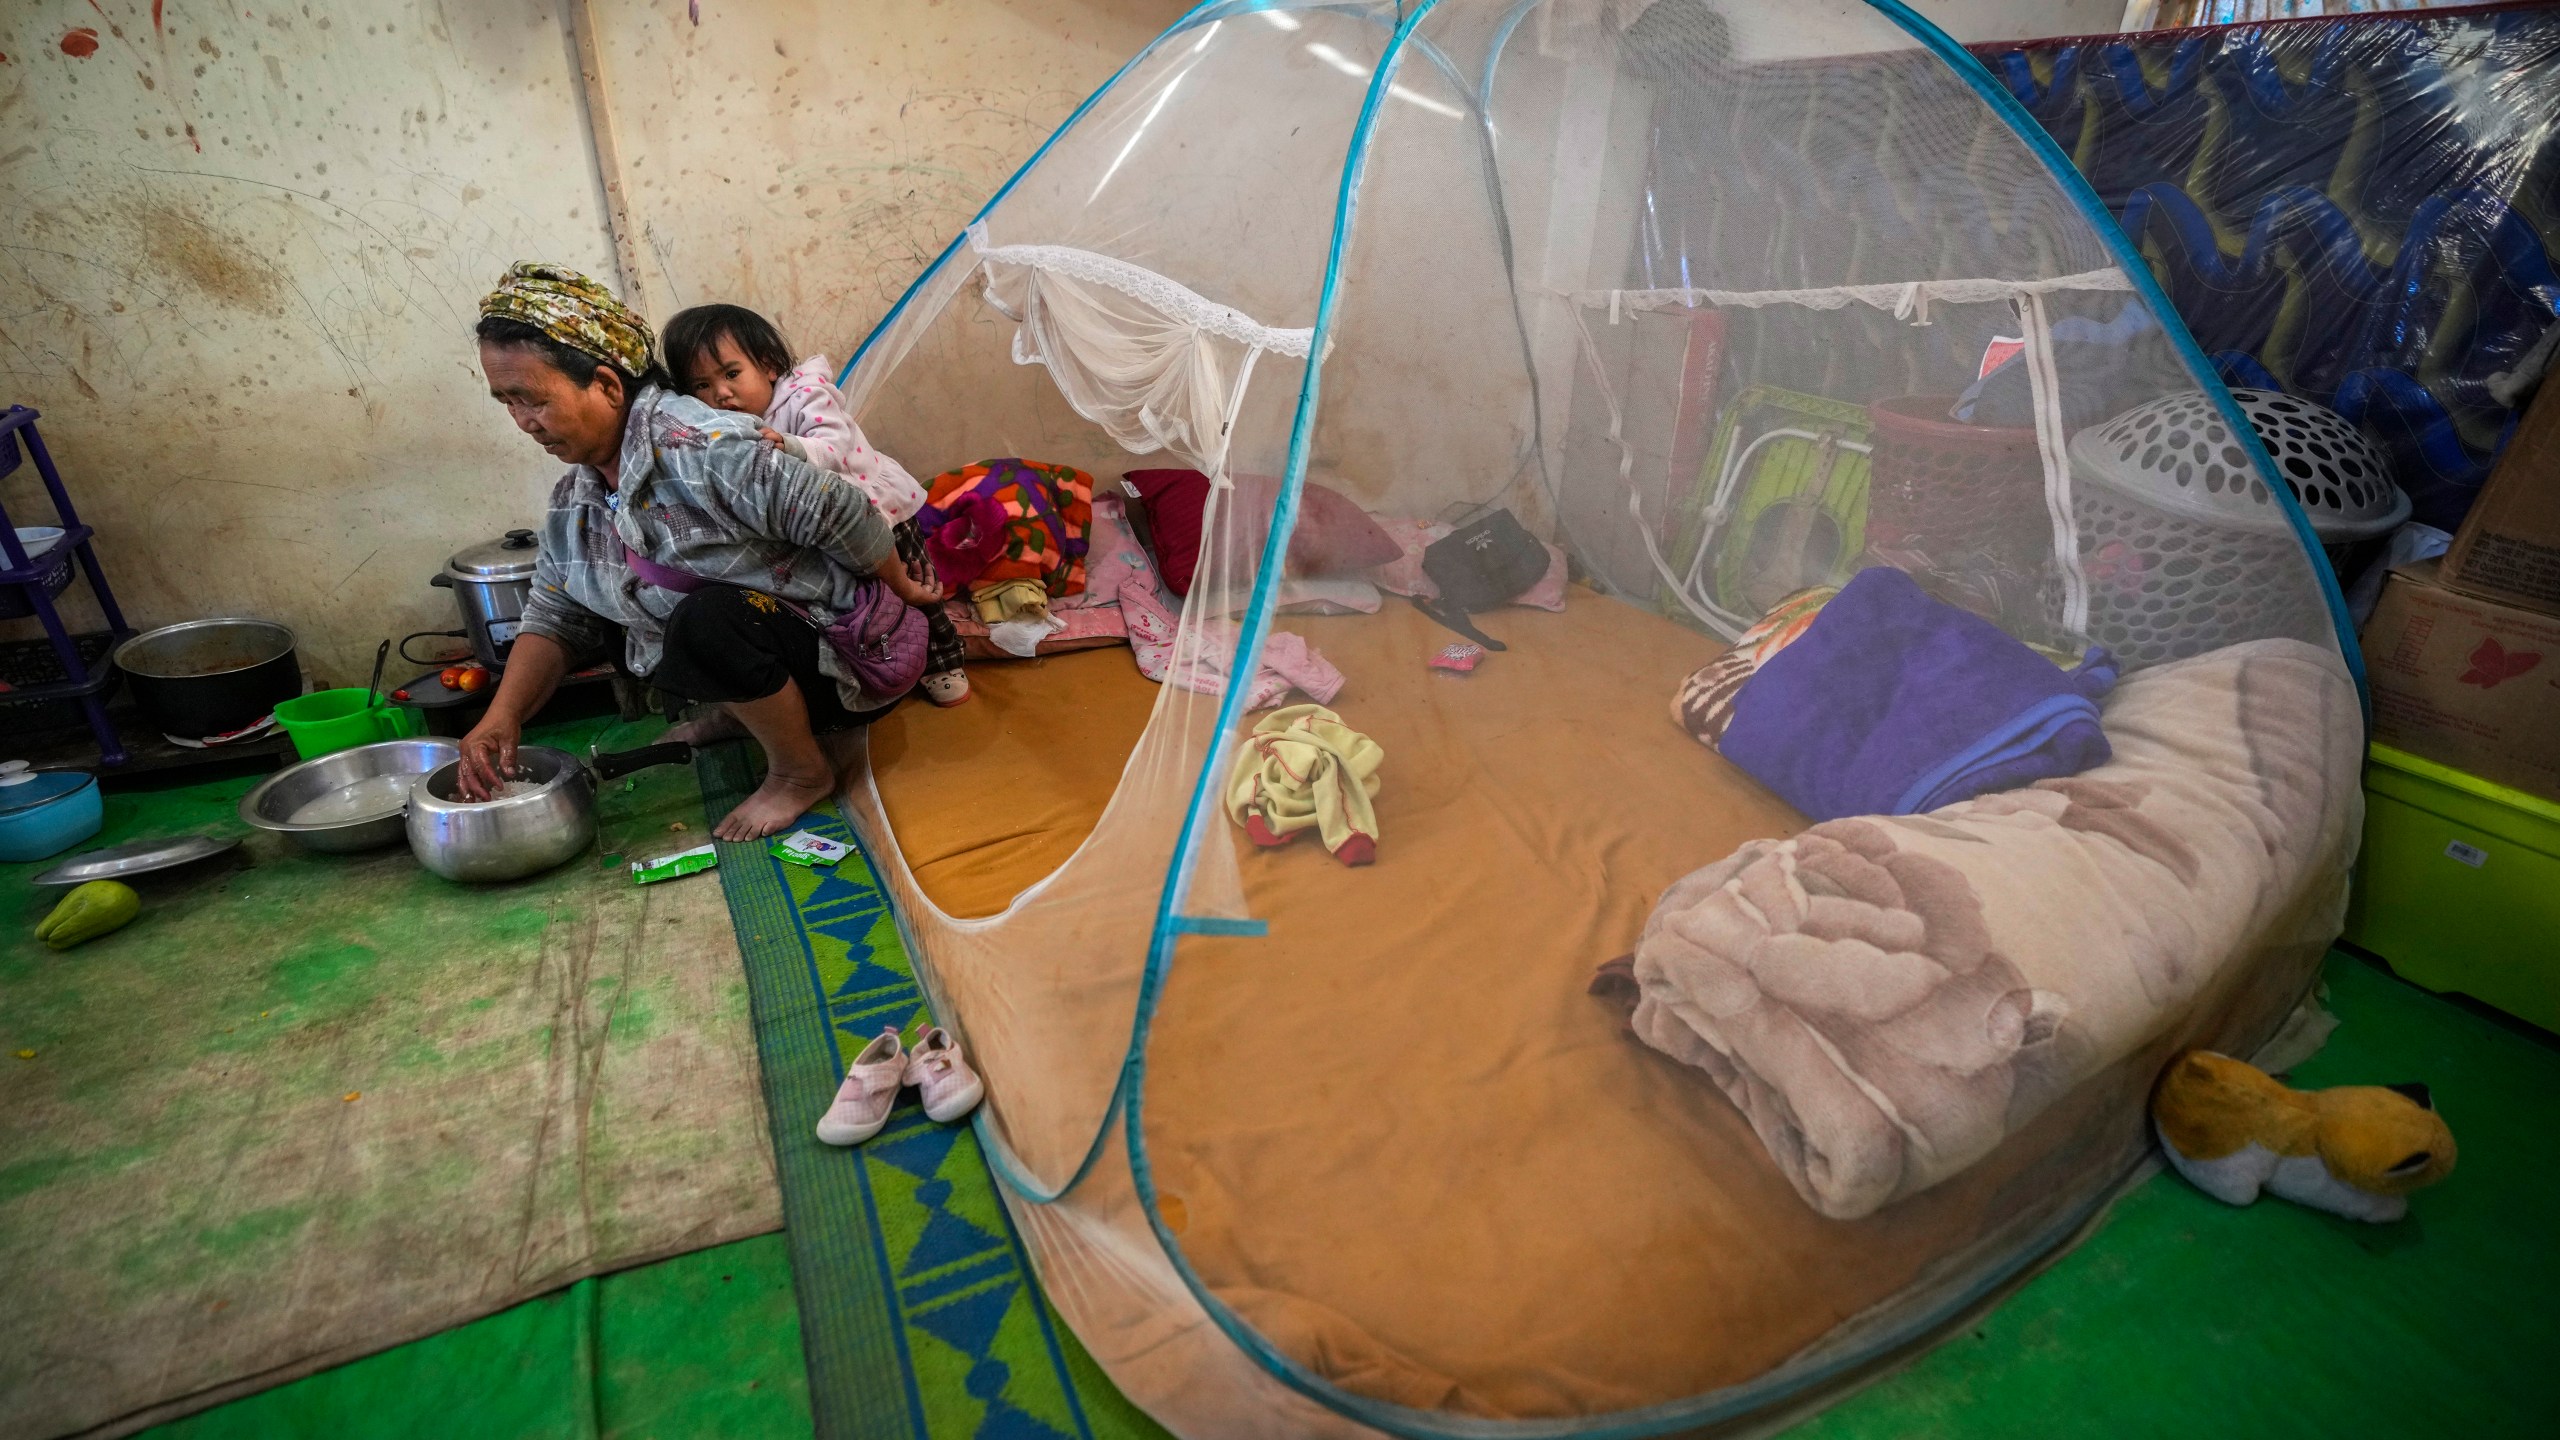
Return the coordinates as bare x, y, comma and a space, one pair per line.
510, 838
272, 805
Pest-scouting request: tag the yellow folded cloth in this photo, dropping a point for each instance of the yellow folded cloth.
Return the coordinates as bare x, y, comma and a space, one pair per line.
1303, 769
1011, 600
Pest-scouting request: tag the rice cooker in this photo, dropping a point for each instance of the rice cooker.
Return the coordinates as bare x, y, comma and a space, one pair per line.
491, 583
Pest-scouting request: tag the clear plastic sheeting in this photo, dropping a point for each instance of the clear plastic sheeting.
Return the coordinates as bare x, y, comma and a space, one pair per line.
1714, 302
2355, 209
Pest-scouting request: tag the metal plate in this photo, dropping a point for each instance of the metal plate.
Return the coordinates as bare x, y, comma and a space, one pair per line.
136, 857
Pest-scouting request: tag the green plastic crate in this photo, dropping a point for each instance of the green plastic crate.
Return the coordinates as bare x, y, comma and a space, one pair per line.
2459, 884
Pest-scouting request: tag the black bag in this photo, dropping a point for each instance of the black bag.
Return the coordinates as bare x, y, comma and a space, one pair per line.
1487, 562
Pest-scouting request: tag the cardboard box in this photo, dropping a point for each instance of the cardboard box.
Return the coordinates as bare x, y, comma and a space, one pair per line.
2508, 548
2466, 682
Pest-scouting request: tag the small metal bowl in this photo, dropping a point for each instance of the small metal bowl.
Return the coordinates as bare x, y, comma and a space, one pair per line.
271, 806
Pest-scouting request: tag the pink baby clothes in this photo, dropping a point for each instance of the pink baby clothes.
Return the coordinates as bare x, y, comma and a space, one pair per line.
808, 408
1112, 558
1288, 661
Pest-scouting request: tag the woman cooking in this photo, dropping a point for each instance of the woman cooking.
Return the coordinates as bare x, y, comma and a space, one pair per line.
720, 558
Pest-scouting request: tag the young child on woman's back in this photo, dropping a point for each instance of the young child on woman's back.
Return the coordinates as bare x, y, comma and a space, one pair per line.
731, 358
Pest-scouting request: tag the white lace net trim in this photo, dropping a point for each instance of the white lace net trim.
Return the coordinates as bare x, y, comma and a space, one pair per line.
1176, 301
1155, 365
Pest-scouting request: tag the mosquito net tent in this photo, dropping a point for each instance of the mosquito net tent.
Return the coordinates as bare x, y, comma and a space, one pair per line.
1632, 1087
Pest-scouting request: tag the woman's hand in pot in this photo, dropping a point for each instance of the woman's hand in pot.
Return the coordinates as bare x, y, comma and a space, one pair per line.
534, 668
488, 757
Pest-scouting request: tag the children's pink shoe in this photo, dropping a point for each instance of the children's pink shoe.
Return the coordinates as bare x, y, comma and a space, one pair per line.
951, 1089
869, 1093
946, 688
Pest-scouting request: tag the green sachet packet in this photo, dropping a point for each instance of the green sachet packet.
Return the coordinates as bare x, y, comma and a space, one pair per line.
669, 867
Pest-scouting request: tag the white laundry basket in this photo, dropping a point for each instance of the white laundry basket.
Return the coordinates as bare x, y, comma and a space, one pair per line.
2186, 550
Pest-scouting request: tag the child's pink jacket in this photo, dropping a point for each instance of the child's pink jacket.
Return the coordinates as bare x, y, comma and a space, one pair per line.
809, 410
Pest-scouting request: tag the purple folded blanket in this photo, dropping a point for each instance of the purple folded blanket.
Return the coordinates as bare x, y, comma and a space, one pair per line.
1892, 703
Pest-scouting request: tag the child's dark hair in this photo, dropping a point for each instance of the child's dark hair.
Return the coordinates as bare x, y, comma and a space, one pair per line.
691, 335
569, 360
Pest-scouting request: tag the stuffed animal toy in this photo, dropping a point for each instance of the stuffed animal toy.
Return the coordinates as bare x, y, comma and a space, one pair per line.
2357, 1150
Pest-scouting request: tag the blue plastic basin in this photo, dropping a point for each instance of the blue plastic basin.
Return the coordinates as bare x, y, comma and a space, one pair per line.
49, 814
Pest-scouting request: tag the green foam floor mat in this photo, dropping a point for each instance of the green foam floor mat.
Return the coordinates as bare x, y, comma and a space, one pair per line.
701, 1345
2180, 1316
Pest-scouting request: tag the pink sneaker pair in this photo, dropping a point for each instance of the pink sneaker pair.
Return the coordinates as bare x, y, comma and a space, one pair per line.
885, 1066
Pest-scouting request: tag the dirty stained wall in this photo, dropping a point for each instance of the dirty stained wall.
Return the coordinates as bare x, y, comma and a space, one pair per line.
237, 274
241, 246
809, 157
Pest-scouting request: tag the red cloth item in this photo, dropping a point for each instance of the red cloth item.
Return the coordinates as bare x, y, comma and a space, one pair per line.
1173, 502
1461, 658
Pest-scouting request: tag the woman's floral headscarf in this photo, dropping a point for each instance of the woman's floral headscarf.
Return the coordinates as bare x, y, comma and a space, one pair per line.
575, 311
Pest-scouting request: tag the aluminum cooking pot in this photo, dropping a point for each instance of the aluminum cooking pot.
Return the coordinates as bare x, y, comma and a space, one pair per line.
549, 820
491, 584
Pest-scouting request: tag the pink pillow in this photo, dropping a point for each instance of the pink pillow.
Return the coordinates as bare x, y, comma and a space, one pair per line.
1111, 558
1334, 536
1333, 595
1403, 575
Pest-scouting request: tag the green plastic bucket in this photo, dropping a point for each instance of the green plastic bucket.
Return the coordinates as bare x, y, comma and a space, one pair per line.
326, 721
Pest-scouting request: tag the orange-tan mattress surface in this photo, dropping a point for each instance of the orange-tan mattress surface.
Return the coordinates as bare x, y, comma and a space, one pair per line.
991, 795
1396, 1135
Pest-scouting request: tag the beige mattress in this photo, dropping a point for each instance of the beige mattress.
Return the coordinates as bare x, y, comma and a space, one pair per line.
1396, 1135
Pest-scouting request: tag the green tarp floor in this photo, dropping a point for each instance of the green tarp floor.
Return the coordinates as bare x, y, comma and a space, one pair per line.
706, 1344
2180, 1317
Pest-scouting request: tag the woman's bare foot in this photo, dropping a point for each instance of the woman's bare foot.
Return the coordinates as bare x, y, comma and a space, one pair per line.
797, 773
710, 727
776, 806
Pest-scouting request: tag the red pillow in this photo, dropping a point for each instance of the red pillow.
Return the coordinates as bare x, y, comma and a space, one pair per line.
1166, 516
1334, 536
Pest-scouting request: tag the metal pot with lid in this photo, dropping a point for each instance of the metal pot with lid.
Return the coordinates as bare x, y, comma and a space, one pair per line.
491, 583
